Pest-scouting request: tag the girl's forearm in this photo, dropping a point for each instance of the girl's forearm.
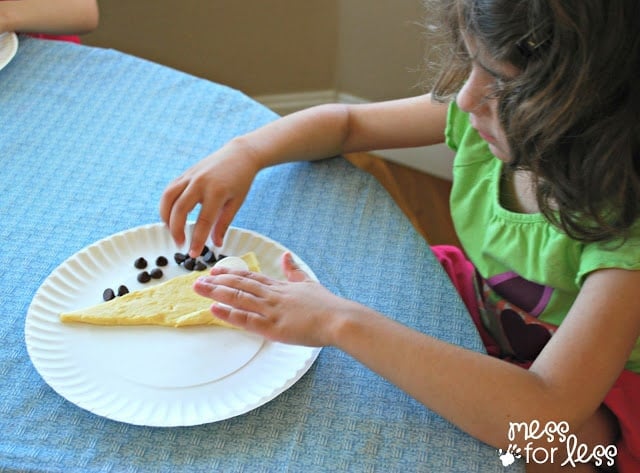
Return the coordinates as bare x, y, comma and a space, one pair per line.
45, 16
333, 129
478, 393
311, 134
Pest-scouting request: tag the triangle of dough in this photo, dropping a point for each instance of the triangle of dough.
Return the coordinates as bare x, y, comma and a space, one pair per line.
172, 303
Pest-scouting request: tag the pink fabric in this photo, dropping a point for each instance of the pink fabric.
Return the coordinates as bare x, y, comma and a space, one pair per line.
70, 38
624, 401
624, 397
462, 273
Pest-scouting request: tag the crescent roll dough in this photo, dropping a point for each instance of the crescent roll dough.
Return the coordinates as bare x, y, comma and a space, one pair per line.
172, 303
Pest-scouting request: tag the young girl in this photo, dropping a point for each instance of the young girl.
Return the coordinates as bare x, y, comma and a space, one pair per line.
540, 100
60, 19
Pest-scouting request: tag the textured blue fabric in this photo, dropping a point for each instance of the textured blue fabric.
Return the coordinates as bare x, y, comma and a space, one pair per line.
89, 138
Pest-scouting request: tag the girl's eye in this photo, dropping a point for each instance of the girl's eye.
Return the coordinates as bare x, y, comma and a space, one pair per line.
499, 84
495, 89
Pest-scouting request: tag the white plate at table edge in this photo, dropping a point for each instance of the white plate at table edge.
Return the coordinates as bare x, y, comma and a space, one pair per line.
143, 383
8, 48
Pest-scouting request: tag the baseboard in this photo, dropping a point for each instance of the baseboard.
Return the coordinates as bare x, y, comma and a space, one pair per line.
283, 104
436, 160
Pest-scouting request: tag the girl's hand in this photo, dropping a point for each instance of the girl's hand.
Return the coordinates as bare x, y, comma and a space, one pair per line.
220, 183
298, 311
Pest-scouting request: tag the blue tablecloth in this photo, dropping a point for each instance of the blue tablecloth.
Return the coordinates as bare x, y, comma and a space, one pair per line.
89, 139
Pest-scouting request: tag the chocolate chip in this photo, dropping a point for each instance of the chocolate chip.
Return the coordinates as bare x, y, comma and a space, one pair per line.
122, 290
209, 257
144, 277
156, 273
140, 263
108, 294
179, 258
161, 261
189, 263
200, 266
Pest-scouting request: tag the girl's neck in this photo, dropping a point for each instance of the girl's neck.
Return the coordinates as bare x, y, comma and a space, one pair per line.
517, 193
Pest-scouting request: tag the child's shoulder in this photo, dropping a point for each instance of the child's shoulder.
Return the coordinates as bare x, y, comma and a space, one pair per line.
621, 253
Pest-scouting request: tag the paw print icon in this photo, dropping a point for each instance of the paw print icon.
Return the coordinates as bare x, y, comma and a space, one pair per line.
509, 456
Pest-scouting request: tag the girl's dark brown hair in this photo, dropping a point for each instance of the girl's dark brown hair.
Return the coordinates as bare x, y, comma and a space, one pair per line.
572, 116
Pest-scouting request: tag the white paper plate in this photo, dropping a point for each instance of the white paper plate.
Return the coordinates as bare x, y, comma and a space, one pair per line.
8, 48
155, 376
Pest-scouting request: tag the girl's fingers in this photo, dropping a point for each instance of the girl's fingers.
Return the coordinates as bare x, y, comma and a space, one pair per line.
241, 318
239, 291
179, 211
169, 196
292, 270
224, 220
258, 277
205, 221
167, 203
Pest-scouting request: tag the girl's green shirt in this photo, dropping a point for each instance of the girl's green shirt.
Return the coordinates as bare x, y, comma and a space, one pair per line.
501, 242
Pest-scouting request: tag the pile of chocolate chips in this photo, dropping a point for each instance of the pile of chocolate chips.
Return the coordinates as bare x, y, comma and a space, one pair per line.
143, 277
207, 258
155, 273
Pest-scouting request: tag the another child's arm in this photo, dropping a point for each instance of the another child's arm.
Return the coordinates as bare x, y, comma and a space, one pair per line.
49, 17
221, 181
478, 393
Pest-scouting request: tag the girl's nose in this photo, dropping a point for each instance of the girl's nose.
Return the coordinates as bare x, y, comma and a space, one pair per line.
473, 94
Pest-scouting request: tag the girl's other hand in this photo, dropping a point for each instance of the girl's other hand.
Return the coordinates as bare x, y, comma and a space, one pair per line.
297, 311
